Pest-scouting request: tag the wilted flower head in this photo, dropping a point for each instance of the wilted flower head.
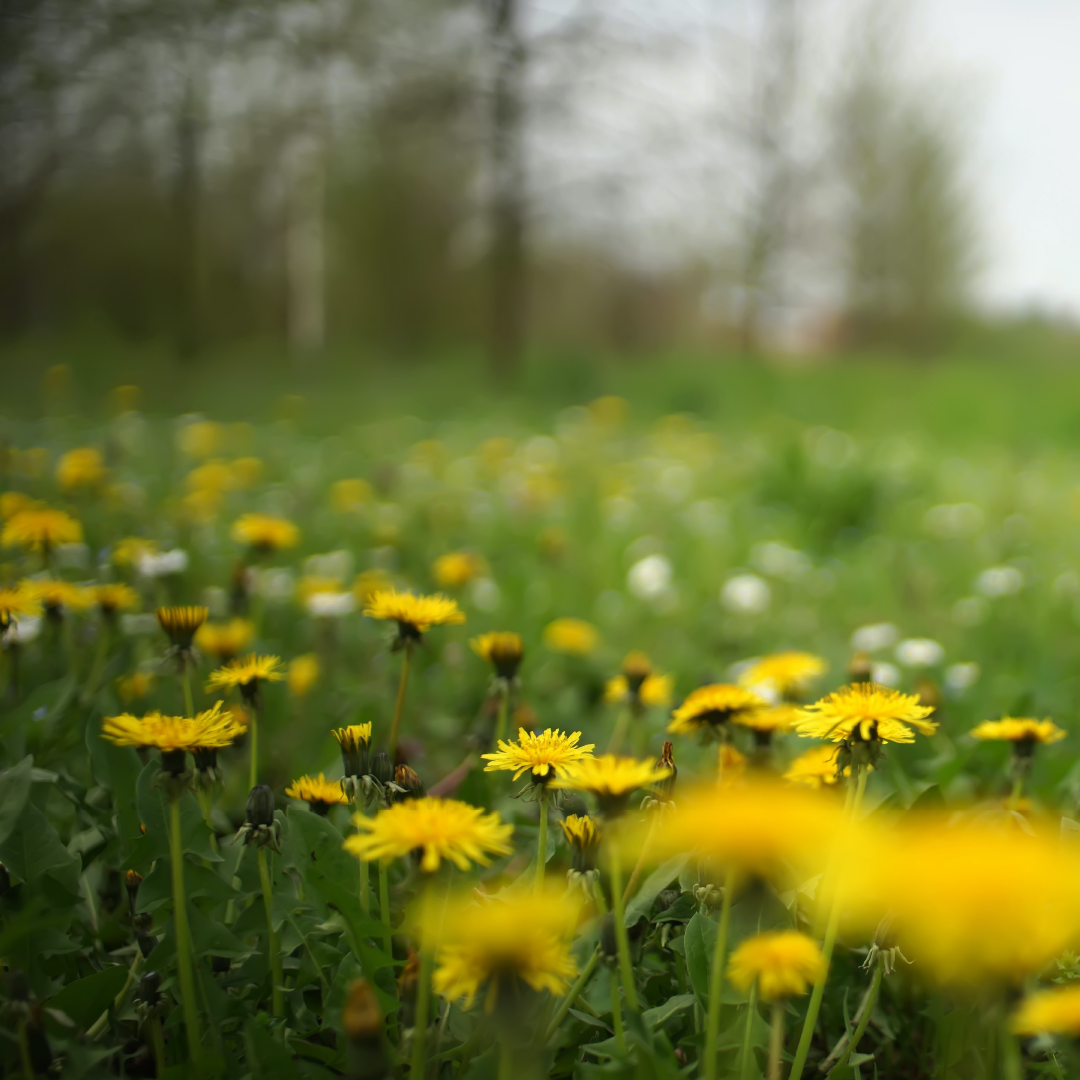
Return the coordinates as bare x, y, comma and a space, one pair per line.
438, 828
710, 707
783, 962
544, 756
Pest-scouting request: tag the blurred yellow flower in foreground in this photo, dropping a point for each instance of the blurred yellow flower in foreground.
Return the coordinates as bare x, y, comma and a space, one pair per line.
709, 707
784, 963
17, 602
789, 674
866, 711
816, 767
40, 529
1055, 1012
224, 640
439, 828
525, 937
265, 532
545, 755
612, 780
303, 674
1020, 730
457, 568
576, 637
80, 469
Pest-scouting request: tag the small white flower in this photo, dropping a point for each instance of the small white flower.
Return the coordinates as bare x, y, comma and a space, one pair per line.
959, 677
919, 652
779, 560
745, 593
874, 636
485, 594
649, 578
331, 605
970, 611
886, 674
24, 630
164, 563
999, 581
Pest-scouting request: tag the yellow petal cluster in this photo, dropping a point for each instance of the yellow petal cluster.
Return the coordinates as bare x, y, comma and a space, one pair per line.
784, 964
59, 595
17, 602
265, 532
303, 674
864, 711
1020, 730
609, 776
815, 767
545, 754
503, 649
317, 789
40, 529
210, 729
457, 568
575, 637
709, 706
246, 671
1055, 1012
416, 613
788, 674
440, 828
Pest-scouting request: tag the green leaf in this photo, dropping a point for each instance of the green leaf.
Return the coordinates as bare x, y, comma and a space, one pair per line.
33, 852
211, 938
699, 941
654, 884
86, 999
14, 789
656, 1016
199, 880
266, 1057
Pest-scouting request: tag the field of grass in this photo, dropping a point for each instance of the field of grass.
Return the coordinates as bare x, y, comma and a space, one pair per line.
703, 511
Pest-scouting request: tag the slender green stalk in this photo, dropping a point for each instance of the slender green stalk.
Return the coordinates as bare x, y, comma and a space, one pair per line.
423, 1011
157, 1041
642, 855
853, 806
183, 940
747, 1051
541, 843
504, 710
567, 1002
618, 733
616, 1013
622, 939
716, 982
24, 1052
864, 1018
253, 734
276, 976
96, 668
1012, 1064
399, 705
99, 1024
506, 1060
365, 887
1016, 794
189, 703
776, 1041
384, 909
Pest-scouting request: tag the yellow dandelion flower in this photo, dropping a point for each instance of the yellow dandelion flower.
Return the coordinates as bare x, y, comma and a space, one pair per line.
200, 439
730, 763
783, 962
1020, 730
11, 502
245, 674
17, 603
181, 623
415, 615
502, 649
457, 568
303, 674
213, 478
114, 597
40, 529
247, 471
583, 835
612, 780
575, 637
524, 938
638, 682
788, 674
129, 550
82, 468
224, 640
318, 792
264, 533
814, 768
772, 718
866, 711
348, 496
202, 735
134, 687
708, 707
545, 755
440, 828
1053, 1012
58, 596
355, 743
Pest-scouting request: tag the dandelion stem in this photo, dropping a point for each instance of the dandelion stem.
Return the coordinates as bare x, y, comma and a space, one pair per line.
621, 937
253, 732
399, 705
616, 1013
183, 938
776, 1041
189, 704
747, 1052
541, 843
504, 711
1016, 794
157, 1041
572, 995
642, 855
716, 981
1012, 1065
384, 909
506, 1060
852, 807
618, 733
276, 977
100, 653
864, 1018
423, 999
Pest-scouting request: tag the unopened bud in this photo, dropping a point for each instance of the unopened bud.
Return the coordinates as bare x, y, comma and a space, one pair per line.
412, 787
361, 1017
133, 879
382, 768
260, 806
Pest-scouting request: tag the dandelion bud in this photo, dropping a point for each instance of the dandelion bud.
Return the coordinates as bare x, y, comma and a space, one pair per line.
260, 806
355, 743
361, 1017
382, 768
636, 668
133, 879
148, 992
664, 788
410, 785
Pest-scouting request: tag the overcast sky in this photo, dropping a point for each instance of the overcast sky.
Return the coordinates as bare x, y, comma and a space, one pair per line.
1023, 60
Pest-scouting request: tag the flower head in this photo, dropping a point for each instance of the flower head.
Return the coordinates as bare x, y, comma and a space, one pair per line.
784, 963
457, 568
113, 597
303, 674
355, 743
865, 711
612, 780
788, 674
815, 767
545, 756
1020, 730
180, 623
583, 835
502, 649
318, 792
524, 938
709, 707
440, 828
264, 533
16, 603
415, 615
81, 468
224, 640
58, 596
763, 722
131, 549
730, 763
1055, 1012
173, 735
572, 636
40, 529
638, 683
245, 674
